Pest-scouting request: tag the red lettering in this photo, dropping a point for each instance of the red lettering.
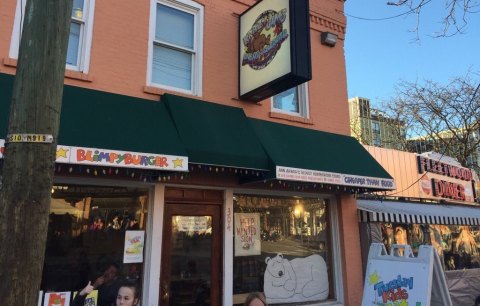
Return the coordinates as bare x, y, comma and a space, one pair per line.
136, 159
161, 162
127, 158
393, 296
84, 155
113, 157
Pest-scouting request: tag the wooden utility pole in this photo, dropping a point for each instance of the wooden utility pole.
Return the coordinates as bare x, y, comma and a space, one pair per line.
25, 189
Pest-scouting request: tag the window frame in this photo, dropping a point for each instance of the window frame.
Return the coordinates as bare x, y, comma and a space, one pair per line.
85, 41
337, 265
197, 10
303, 103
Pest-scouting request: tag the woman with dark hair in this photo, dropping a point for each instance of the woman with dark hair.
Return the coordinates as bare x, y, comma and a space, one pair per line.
255, 299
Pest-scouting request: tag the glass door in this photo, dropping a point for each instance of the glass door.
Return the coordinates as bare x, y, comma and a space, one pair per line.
191, 255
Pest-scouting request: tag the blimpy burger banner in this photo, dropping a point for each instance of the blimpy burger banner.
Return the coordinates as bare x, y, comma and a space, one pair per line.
115, 158
274, 48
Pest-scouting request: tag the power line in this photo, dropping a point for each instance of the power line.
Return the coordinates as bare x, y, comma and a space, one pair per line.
412, 10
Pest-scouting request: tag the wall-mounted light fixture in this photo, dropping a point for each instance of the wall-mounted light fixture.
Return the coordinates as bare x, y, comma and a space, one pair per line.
328, 39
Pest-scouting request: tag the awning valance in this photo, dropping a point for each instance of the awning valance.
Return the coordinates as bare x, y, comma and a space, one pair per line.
215, 134
417, 213
300, 154
104, 129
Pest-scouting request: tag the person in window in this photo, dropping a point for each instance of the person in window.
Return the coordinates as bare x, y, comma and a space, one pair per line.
127, 295
107, 285
255, 299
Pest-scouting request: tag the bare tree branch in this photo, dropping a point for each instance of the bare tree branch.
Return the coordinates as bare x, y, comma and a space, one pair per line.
442, 118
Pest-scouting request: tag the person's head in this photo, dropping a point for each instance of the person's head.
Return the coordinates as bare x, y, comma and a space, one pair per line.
128, 294
255, 299
111, 273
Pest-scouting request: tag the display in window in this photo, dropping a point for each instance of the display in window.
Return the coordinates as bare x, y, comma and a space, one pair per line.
91, 298
294, 263
88, 227
134, 242
247, 234
57, 299
297, 280
458, 246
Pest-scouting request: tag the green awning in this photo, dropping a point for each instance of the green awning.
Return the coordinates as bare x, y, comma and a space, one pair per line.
113, 124
6, 87
215, 134
306, 155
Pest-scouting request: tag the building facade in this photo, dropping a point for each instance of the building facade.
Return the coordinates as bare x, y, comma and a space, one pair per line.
372, 127
165, 174
435, 203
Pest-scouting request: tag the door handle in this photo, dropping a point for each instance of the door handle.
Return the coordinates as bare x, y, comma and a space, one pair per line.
165, 292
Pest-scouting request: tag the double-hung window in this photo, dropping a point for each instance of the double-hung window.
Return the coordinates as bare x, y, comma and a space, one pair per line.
80, 38
176, 44
293, 101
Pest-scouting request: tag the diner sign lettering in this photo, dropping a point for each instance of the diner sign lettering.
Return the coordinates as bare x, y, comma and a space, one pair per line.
447, 181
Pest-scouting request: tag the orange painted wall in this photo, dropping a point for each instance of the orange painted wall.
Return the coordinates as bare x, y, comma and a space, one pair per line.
351, 253
118, 64
402, 166
118, 60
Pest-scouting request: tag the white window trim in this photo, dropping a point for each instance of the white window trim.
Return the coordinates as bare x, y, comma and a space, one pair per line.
85, 45
197, 58
303, 103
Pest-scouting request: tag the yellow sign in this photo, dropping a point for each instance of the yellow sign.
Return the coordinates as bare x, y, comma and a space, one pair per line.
38, 138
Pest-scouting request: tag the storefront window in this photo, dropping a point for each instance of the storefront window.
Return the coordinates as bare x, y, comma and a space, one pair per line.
458, 246
93, 230
282, 247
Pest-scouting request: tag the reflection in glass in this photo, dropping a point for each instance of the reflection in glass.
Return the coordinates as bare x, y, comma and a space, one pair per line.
458, 246
296, 228
191, 260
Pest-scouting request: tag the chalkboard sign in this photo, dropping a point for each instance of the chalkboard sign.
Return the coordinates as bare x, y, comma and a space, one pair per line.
400, 278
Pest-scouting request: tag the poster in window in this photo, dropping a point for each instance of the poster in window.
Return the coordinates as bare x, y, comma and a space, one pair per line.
247, 234
57, 299
134, 242
91, 299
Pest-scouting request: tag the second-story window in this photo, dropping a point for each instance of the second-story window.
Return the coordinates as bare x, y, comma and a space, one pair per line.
293, 101
80, 38
175, 60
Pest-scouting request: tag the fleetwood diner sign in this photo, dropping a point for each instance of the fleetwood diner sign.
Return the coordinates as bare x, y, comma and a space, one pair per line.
274, 48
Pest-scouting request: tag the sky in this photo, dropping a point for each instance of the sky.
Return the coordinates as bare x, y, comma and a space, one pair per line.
381, 54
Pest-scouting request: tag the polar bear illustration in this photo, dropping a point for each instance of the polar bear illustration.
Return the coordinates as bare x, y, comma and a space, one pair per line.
296, 280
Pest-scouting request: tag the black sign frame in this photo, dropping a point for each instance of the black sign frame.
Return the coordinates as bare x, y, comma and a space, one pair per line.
300, 55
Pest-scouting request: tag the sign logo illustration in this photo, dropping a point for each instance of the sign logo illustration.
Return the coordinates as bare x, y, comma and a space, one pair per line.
264, 39
392, 293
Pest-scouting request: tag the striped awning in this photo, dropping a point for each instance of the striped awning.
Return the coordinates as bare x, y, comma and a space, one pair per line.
416, 213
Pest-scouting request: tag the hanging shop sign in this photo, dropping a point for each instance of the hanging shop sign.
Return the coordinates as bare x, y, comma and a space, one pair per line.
442, 180
323, 177
115, 158
247, 234
274, 48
